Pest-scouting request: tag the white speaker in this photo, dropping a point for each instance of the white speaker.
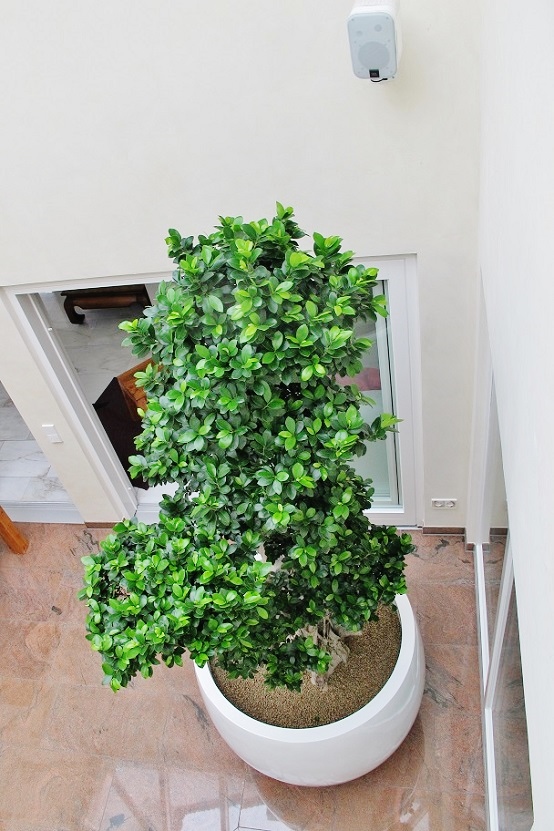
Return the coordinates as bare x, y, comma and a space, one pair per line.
375, 41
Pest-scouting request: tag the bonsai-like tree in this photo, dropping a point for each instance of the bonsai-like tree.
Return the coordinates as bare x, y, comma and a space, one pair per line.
263, 557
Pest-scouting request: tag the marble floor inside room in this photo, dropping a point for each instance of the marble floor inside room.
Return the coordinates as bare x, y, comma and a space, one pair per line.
26, 475
76, 757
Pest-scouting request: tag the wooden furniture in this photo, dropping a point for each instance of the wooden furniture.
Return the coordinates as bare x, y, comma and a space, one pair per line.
111, 297
15, 541
134, 396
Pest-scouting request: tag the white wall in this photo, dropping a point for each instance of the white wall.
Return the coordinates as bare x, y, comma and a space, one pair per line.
123, 118
517, 222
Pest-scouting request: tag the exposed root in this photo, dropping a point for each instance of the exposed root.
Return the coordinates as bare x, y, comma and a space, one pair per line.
326, 637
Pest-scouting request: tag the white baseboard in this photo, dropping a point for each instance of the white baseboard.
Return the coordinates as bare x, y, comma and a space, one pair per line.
62, 512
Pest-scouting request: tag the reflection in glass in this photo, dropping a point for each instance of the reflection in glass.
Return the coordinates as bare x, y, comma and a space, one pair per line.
513, 781
493, 560
374, 380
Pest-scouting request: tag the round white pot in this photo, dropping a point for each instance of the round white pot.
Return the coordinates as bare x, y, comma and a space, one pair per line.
332, 753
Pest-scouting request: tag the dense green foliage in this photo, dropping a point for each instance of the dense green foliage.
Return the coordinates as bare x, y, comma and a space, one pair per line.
266, 533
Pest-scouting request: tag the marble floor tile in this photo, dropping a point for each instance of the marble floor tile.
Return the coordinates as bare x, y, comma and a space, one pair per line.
23, 458
4, 397
12, 426
12, 489
54, 547
138, 799
45, 489
27, 450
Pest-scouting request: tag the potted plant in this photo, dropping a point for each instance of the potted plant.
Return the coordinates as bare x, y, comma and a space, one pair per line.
263, 556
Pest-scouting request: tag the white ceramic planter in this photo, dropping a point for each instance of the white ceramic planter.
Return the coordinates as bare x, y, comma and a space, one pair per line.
332, 753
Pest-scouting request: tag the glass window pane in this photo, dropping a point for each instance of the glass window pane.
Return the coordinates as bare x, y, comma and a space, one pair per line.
493, 560
513, 781
375, 380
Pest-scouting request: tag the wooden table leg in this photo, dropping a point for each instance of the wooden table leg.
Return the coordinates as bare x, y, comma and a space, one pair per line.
15, 541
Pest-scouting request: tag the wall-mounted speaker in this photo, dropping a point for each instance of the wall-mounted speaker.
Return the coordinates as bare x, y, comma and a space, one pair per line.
374, 36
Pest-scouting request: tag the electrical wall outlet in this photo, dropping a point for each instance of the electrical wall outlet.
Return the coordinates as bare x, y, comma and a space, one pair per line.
443, 503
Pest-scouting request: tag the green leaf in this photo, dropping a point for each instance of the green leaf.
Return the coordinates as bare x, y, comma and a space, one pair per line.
302, 332
298, 258
203, 351
297, 470
215, 303
250, 332
277, 340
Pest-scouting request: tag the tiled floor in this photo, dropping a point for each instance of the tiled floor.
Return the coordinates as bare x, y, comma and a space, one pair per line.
76, 757
26, 475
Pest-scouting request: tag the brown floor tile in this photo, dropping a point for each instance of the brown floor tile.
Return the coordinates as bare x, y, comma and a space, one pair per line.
143, 797
456, 752
29, 596
446, 614
45, 789
99, 722
192, 743
54, 547
26, 649
269, 805
75, 662
74, 755
356, 806
25, 707
452, 679
439, 559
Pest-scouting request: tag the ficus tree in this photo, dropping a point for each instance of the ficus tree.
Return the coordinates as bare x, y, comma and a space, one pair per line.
263, 556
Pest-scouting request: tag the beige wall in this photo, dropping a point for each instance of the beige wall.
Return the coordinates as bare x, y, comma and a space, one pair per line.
517, 221
122, 119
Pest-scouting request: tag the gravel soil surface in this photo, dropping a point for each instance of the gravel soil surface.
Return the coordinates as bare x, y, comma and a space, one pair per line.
373, 655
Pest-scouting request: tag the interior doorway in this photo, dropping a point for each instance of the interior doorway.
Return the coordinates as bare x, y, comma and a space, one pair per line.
92, 343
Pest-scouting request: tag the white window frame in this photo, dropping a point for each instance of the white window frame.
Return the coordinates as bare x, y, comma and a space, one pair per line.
400, 275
